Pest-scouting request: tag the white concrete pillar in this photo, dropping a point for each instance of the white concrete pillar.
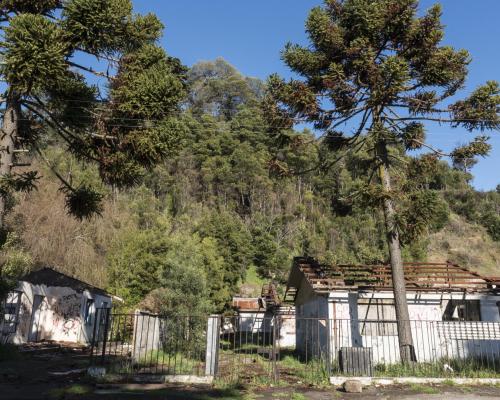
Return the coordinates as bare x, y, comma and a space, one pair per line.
212, 351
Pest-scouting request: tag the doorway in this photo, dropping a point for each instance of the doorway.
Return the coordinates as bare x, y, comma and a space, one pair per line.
36, 314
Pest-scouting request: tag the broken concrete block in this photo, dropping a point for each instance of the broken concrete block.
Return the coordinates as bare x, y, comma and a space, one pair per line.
353, 386
96, 372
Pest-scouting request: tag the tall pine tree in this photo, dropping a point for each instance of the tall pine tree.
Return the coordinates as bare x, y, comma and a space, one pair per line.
378, 68
132, 126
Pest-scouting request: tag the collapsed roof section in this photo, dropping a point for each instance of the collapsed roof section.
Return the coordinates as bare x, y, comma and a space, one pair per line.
268, 300
435, 277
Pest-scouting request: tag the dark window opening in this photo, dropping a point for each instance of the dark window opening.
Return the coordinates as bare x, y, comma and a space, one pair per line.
87, 315
11, 312
462, 310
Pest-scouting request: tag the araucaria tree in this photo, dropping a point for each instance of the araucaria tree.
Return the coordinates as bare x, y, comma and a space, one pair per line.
374, 73
124, 126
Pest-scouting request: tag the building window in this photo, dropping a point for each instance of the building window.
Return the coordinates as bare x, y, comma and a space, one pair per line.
462, 310
11, 312
87, 315
377, 317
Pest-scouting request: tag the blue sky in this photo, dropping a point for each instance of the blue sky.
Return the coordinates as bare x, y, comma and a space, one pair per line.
251, 34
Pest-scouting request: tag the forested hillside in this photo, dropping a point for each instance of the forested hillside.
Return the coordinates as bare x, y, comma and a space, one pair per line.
236, 198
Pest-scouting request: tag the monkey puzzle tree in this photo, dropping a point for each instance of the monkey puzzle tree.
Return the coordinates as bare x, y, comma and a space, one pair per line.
132, 126
374, 73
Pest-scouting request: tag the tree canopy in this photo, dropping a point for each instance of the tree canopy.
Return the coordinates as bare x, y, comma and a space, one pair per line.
125, 127
373, 74
206, 185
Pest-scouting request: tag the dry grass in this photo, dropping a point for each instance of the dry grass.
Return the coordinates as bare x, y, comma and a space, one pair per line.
466, 244
54, 238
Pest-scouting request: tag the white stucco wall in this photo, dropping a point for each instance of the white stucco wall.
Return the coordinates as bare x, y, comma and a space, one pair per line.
254, 322
263, 322
311, 323
433, 338
287, 331
60, 315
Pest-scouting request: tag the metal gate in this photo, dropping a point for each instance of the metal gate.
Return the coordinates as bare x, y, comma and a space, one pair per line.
264, 349
148, 344
230, 349
267, 349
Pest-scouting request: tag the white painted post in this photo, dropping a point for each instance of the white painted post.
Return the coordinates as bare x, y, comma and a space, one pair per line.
212, 352
135, 353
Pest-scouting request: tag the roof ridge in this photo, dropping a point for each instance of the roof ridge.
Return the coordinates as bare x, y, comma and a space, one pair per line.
31, 277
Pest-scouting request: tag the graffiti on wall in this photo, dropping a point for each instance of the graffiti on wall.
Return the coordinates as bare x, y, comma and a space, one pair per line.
66, 313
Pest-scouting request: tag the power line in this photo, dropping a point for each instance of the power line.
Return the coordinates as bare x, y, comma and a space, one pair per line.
153, 123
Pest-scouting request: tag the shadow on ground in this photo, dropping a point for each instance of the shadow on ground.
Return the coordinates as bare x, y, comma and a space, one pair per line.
59, 374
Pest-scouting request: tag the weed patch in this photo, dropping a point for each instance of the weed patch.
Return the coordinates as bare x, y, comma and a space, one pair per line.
73, 390
425, 389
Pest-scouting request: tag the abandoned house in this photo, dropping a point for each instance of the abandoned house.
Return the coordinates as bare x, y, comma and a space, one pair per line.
260, 315
454, 312
49, 305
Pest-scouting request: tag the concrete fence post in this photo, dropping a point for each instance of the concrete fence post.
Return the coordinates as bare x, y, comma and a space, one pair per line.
146, 336
212, 352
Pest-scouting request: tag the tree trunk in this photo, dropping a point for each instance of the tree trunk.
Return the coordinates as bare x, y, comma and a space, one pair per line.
7, 146
407, 351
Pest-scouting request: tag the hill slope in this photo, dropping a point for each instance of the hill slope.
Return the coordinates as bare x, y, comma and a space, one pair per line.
466, 244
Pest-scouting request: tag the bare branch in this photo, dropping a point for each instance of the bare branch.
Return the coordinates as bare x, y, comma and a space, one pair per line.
92, 71
53, 169
99, 56
440, 120
428, 146
56, 125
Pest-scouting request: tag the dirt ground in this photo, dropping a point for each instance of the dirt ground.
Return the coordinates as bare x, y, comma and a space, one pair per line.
59, 373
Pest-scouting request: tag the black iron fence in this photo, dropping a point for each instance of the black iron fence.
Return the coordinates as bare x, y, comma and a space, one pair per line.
144, 343
290, 348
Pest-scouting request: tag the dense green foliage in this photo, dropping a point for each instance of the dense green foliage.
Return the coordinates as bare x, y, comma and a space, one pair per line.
201, 177
225, 203
49, 87
221, 206
374, 72
48, 93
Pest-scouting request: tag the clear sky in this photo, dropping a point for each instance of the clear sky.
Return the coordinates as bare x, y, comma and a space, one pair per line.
251, 34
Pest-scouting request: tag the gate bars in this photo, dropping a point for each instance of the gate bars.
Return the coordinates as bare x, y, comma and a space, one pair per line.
289, 348
143, 343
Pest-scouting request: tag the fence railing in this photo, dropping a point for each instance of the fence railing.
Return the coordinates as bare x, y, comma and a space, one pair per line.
143, 343
291, 348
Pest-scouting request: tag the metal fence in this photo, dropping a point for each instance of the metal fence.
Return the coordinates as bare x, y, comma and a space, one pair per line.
290, 348
143, 343
441, 349
265, 349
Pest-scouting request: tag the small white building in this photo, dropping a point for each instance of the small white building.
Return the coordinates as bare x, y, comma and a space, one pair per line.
49, 305
260, 315
252, 315
454, 312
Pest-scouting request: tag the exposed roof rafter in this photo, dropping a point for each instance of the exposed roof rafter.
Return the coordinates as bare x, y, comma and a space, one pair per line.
431, 277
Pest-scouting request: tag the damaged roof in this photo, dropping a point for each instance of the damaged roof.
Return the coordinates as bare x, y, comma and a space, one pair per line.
447, 276
268, 299
248, 304
50, 277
